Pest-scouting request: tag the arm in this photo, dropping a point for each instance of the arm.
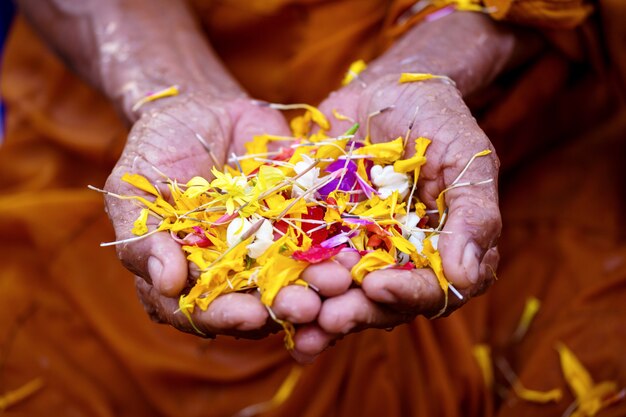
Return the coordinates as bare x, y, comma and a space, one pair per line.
470, 49
130, 48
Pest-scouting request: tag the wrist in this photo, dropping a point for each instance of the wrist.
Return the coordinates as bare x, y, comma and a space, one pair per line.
469, 48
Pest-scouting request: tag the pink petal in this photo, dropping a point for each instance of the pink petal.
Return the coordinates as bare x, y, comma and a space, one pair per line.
316, 254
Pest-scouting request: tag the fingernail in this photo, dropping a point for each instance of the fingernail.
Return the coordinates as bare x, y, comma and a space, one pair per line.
471, 262
155, 268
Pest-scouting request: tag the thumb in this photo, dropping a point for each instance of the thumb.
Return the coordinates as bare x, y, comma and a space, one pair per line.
157, 258
251, 119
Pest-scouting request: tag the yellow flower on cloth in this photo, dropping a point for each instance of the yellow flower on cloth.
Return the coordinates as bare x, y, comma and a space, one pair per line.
590, 397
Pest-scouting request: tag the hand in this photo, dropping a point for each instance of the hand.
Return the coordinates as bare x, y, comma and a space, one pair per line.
166, 138
434, 109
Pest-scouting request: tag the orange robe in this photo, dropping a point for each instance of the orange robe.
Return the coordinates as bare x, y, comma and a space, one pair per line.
68, 311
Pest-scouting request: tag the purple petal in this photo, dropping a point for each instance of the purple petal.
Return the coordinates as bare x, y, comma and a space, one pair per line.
338, 239
367, 189
342, 184
340, 164
360, 222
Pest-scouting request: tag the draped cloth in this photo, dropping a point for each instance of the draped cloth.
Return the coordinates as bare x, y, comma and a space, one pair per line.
68, 310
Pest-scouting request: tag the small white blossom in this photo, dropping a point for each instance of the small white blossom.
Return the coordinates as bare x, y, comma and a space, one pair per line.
409, 231
263, 238
387, 180
307, 181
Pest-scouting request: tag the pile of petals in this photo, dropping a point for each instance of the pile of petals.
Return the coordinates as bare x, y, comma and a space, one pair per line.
269, 214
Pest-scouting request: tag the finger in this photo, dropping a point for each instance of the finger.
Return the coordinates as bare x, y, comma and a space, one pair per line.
345, 103
330, 278
310, 340
353, 311
236, 314
416, 291
151, 149
251, 120
297, 304
473, 223
348, 258
157, 258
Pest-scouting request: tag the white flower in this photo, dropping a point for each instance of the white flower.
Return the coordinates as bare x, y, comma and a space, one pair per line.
387, 181
236, 229
263, 238
307, 181
409, 231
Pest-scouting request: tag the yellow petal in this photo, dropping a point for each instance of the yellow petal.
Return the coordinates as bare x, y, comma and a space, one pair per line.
541, 397
18, 395
140, 182
342, 117
482, 354
278, 272
400, 243
283, 392
434, 260
408, 77
166, 92
196, 186
372, 261
530, 311
355, 69
312, 112
575, 373
139, 226
332, 151
383, 153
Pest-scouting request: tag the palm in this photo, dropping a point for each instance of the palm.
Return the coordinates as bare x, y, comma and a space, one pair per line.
179, 141
434, 110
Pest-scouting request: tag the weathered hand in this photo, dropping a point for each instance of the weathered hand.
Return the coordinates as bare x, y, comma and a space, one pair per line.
168, 139
433, 109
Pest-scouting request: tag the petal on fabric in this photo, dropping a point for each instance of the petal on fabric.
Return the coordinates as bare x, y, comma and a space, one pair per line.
574, 372
590, 397
534, 396
531, 308
482, 354
13, 397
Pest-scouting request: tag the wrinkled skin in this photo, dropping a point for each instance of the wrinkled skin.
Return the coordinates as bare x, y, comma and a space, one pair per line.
165, 138
469, 48
386, 298
468, 249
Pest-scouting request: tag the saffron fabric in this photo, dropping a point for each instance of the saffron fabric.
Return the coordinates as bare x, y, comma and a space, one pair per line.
68, 310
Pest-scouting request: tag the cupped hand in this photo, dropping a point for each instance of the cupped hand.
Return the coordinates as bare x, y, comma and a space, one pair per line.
467, 245
182, 137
